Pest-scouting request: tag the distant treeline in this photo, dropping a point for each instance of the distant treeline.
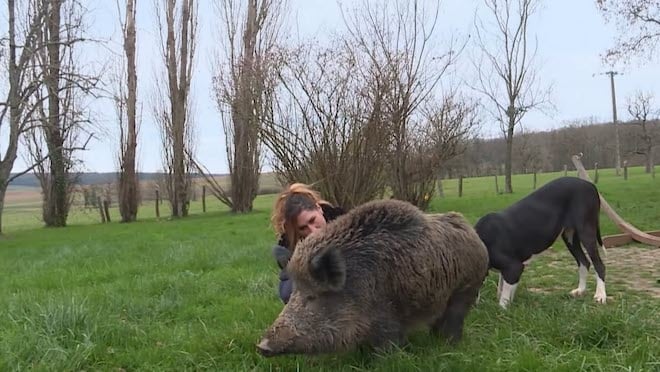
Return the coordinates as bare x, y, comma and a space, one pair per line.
549, 151
546, 151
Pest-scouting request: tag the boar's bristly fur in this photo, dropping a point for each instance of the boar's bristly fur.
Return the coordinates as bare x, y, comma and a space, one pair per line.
375, 273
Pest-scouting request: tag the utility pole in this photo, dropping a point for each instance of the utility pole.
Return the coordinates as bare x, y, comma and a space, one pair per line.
614, 122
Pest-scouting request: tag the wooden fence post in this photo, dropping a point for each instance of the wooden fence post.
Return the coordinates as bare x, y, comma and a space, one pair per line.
204, 198
497, 186
534, 186
565, 170
157, 201
460, 186
625, 169
596, 172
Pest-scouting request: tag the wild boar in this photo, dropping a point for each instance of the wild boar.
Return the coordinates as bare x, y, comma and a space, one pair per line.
373, 275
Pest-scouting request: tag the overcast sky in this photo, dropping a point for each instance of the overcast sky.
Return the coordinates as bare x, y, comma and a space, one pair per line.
571, 37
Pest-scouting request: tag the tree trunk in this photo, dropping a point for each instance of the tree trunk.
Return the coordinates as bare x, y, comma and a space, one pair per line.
507, 161
181, 176
650, 166
128, 184
245, 172
14, 101
3, 191
649, 159
177, 210
56, 208
179, 84
617, 144
7, 162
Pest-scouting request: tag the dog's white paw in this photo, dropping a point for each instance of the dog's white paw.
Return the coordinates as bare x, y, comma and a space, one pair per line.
600, 298
577, 292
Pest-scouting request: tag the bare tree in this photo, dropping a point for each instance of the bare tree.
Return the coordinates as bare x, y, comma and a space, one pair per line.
60, 115
178, 34
443, 131
507, 76
394, 42
126, 103
243, 90
327, 125
638, 22
640, 108
23, 44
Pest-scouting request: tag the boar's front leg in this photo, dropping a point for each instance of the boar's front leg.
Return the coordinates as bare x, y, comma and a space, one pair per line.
387, 333
450, 323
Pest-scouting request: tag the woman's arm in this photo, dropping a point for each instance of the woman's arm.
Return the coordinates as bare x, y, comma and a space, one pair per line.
282, 255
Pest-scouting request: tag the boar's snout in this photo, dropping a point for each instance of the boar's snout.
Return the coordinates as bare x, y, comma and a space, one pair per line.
264, 348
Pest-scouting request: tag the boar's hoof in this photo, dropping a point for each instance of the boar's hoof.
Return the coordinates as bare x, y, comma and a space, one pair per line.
264, 349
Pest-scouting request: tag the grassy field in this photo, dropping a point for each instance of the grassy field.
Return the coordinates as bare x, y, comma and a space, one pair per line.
23, 204
196, 294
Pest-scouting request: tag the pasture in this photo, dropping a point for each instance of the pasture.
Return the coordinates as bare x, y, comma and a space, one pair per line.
197, 293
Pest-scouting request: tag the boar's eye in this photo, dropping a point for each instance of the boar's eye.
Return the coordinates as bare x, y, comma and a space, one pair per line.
311, 298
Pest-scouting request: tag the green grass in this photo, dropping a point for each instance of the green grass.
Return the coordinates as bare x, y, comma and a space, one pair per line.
197, 293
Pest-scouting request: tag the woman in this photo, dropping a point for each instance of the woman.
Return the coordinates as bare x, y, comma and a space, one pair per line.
298, 212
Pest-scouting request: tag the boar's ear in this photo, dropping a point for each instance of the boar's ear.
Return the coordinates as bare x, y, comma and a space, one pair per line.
329, 268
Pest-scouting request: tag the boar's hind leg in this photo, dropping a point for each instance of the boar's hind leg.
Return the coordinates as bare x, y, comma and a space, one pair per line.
450, 323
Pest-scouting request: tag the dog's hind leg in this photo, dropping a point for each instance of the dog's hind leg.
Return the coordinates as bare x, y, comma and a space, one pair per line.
588, 237
572, 241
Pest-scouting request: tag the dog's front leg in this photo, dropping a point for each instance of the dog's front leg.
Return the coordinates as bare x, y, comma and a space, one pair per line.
508, 292
510, 277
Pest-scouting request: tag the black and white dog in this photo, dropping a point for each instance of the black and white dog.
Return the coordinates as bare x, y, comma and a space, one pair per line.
568, 206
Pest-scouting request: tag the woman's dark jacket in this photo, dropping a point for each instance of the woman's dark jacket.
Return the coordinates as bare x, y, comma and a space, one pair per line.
282, 252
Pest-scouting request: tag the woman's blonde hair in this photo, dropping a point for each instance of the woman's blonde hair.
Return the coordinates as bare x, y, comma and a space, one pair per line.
294, 199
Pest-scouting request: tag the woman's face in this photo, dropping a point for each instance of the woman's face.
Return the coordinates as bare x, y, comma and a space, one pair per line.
309, 221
